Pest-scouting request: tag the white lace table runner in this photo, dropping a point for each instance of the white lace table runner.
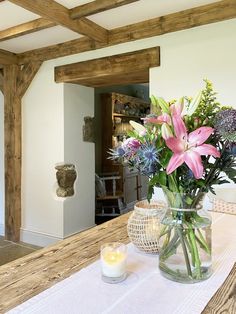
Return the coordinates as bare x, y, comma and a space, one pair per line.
145, 291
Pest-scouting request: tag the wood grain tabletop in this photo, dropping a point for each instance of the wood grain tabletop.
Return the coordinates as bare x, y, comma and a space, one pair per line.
26, 277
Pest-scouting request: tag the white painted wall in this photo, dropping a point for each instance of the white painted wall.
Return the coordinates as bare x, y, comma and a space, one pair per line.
43, 148
189, 56
79, 210
186, 58
2, 209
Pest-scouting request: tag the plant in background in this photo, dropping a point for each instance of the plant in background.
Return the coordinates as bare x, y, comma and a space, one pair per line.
185, 148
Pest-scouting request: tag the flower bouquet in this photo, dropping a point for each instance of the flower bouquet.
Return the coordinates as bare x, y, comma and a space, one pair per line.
185, 147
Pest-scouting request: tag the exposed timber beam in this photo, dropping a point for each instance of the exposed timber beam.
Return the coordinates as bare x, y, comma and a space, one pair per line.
206, 14
12, 135
16, 82
1, 81
97, 7
55, 12
25, 28
132, 67
7, 57
79, 11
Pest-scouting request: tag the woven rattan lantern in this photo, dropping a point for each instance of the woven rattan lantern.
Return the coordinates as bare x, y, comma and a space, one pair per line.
144, 225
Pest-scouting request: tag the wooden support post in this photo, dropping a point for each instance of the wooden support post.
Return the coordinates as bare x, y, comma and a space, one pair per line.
16, 82
12, 130
1, 81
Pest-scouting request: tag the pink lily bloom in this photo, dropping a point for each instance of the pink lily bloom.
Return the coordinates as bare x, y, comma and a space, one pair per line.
188, 148
164, 118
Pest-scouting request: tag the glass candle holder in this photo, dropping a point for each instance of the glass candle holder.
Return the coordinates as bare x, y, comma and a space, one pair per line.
113, 262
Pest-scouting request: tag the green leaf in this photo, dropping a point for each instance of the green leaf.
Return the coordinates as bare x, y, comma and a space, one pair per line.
162, 104
200, 182
188, 200
154, 181
162, 178
150, 192
166, 158
172, 183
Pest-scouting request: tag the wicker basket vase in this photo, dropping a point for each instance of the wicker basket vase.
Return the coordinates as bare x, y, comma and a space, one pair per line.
144, 225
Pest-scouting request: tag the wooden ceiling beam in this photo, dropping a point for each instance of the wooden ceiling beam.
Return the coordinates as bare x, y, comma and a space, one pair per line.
96, 72
206, 14
7, 57
42, 23
55, 12
25, 28
97, 7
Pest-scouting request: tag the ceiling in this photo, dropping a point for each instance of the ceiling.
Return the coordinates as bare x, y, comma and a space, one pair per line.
137, 11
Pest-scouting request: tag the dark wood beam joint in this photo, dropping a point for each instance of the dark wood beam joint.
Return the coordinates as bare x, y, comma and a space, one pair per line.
26, 76
7, 57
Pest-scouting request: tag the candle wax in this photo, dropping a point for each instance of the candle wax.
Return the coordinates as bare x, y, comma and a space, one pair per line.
113, 264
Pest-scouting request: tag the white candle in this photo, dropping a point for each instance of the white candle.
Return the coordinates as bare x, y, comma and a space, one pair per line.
113, 261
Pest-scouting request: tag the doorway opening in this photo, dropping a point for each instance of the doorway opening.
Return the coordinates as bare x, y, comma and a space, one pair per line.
117, 188
116, 70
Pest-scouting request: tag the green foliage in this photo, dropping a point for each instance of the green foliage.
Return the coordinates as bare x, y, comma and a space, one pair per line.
207, 109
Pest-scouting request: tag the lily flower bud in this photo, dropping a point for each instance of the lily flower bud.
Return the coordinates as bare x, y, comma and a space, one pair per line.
166, 131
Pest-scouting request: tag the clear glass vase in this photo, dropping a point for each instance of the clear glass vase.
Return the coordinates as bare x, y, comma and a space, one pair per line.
185, 239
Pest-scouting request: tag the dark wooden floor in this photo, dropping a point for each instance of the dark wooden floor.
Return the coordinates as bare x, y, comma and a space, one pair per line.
10, 251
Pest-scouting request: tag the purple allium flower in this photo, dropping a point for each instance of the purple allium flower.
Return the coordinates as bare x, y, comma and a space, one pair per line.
225, 124
131, 144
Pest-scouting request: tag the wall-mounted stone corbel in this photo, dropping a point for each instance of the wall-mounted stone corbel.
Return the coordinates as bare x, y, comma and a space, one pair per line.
66, 176
88, 129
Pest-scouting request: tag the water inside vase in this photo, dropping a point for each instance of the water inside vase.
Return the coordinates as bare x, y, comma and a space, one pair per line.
185, 254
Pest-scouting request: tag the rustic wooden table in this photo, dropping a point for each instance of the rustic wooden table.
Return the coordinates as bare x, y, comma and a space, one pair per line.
24, 278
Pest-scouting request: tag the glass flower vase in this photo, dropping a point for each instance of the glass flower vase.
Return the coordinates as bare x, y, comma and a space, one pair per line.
185, 239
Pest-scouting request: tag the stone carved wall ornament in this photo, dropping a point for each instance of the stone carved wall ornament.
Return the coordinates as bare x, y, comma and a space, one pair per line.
88, 129
66, 176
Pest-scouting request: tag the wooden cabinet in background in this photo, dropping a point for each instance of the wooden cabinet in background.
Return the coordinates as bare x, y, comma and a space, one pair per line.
117, 111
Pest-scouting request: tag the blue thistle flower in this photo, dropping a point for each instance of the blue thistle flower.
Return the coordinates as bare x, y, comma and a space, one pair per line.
149, 154
117, 153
